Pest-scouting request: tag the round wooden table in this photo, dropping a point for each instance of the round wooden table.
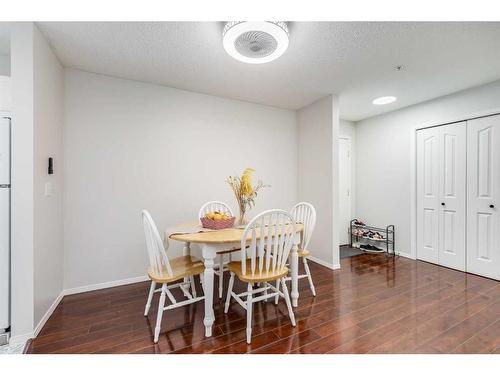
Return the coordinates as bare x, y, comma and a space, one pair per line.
214, 242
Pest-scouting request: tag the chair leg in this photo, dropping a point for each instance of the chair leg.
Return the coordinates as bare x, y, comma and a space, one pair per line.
276, 298
229, 290
288, 303
221, 274
249, 314
159, 315
308, 273
150, 297
193, 286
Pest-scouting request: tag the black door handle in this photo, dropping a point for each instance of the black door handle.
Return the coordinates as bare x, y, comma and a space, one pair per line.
492, 206
442, 203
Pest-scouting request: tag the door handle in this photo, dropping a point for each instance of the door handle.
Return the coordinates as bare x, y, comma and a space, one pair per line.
492, 206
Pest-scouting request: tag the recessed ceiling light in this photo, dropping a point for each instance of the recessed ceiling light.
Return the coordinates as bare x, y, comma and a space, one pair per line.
255, 42
384, 100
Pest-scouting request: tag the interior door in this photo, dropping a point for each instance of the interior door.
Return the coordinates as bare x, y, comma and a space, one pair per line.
4, 151
4, 222
4, 257
428, 203
344, 189
483, 196
452, 192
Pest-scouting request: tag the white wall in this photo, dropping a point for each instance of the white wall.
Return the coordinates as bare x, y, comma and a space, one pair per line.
348, 129
36, 244
4, 65
5, 93
48, 137
130, 145
22, 309
384, 151
318, 170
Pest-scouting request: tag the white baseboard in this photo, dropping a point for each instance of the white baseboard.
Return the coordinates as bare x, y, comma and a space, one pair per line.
47, 315
406, 255
108, 284
323, 263
21, 338
25, 337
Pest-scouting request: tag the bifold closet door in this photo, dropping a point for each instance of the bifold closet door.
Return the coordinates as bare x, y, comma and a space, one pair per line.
453, 185
428, 155
483, 196
441, 195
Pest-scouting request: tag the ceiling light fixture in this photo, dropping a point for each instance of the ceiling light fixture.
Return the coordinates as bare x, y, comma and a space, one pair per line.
384, 100
255, 42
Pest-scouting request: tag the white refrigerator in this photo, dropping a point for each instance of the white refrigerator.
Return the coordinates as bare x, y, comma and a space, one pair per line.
4, 224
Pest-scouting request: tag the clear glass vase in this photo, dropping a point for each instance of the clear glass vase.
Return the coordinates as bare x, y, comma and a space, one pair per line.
242, 220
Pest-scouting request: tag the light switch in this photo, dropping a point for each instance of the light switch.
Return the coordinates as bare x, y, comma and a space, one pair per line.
48, 189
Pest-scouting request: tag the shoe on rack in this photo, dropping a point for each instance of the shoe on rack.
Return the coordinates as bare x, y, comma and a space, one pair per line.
359, 222
369, 247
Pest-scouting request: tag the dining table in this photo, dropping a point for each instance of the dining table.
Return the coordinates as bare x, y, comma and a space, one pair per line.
219, 241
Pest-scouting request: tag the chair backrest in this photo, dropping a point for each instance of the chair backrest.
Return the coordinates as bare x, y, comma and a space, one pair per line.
305, 213
269, 252
158, 259
214, 206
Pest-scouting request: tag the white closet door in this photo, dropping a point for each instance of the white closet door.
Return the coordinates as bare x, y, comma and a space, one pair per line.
441, 195
428, 203
483, 191
452, 192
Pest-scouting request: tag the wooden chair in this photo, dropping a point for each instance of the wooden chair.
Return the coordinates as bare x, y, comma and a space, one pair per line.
305, 213
221, 266
162, 271
263, 259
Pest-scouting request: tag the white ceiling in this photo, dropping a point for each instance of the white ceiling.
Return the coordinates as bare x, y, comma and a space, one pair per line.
354, 59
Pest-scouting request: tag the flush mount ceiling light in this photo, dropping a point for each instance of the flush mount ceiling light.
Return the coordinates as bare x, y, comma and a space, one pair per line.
384, 100
255, 42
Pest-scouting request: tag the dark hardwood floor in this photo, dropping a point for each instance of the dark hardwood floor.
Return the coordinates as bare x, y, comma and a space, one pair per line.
374, 304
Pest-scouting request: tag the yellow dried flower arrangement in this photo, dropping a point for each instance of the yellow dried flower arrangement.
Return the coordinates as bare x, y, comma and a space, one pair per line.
244, 192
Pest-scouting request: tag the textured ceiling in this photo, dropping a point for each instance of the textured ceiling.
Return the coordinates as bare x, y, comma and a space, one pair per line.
353, 59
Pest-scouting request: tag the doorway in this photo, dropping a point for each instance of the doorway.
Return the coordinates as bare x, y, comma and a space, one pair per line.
344, 189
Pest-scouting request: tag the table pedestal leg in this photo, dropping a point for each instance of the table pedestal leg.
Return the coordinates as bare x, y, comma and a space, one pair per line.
294, 265
209, 254
186, 250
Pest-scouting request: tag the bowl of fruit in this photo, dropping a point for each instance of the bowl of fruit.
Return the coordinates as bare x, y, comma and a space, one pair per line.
217, 220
